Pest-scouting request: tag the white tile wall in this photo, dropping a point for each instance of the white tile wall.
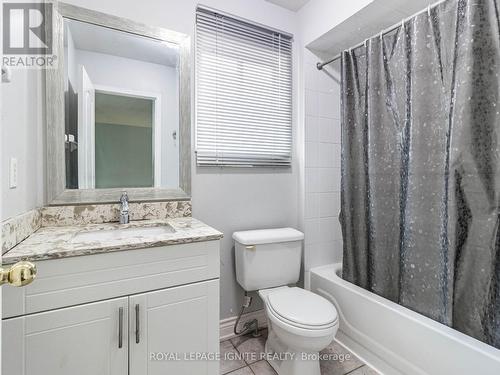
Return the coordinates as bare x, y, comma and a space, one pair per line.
323, 243
312, 125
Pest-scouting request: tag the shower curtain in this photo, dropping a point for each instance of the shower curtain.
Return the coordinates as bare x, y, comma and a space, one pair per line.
420, 166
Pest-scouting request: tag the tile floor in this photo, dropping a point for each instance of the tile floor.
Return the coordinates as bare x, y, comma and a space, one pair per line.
241, 356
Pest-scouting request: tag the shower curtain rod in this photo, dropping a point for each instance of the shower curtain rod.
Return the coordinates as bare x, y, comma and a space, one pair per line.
320, 65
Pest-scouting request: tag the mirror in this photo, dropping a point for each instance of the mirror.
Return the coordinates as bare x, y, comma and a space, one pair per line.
125, 109
121, 109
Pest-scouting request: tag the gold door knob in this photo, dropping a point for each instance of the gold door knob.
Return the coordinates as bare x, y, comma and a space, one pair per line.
19, 274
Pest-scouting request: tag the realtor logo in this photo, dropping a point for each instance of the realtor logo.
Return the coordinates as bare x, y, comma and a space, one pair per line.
25, 30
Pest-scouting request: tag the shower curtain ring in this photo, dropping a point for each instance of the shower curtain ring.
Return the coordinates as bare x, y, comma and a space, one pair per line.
429, 10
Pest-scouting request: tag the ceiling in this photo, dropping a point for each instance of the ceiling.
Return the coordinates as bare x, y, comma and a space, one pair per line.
293, 5
100, 39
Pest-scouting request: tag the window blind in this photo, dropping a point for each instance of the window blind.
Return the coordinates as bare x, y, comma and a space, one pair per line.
243, 93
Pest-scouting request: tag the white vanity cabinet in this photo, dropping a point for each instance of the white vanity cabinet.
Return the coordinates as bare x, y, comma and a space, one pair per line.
113, 313
174, 321
77, 340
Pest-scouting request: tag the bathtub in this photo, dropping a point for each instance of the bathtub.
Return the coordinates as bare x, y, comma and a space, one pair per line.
396, 340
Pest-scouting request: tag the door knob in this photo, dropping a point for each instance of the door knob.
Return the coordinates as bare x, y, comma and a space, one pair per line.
19, 274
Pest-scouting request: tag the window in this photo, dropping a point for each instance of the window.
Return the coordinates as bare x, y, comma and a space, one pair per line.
243, 93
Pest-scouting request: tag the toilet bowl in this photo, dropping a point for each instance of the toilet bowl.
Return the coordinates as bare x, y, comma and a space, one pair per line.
300, 323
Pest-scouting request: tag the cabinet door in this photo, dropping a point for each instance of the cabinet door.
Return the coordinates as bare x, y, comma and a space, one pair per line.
175, 322
77, 340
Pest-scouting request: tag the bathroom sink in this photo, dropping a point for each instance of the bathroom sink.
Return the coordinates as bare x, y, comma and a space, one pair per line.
122, 233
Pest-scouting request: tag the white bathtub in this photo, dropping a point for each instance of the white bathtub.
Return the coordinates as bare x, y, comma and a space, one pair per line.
396, 340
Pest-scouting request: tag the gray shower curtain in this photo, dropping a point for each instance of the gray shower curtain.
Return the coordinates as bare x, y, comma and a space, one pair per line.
421, 168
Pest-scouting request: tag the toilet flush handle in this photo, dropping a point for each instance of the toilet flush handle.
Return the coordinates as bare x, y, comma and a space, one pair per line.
250, 247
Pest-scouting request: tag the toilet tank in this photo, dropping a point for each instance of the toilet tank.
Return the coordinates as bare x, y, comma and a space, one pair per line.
267, 258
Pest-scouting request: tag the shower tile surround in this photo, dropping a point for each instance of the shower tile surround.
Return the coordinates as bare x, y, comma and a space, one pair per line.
323, 237
18, 228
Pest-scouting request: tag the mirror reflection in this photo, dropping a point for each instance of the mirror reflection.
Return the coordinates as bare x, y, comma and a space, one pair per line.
121, 109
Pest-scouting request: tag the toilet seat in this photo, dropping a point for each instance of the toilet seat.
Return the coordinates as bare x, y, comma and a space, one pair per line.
299, 322
302, 309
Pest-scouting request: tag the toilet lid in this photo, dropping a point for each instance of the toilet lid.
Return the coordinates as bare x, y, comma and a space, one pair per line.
302, 307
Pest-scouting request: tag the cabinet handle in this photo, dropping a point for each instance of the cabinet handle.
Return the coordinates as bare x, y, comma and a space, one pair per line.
120, 327
137, 327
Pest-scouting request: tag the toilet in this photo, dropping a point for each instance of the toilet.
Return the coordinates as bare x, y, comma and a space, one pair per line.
300, 323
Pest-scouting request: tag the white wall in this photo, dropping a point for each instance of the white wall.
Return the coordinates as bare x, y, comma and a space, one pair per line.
22, 119
228, 199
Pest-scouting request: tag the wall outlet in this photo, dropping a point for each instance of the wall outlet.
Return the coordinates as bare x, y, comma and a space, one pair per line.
13, 173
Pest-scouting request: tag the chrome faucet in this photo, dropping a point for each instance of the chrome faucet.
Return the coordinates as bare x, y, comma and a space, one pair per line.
124, 208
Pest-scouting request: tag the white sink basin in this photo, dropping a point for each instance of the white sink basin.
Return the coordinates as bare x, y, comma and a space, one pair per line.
122, 234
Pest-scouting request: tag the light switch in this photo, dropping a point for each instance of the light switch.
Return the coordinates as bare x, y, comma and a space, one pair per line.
13, 173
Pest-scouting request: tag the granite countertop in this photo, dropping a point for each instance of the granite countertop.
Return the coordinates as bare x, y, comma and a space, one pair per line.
61, 242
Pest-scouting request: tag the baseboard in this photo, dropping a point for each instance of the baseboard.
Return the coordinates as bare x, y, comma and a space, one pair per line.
226, 327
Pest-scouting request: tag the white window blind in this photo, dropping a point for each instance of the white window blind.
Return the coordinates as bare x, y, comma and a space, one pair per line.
243, 93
